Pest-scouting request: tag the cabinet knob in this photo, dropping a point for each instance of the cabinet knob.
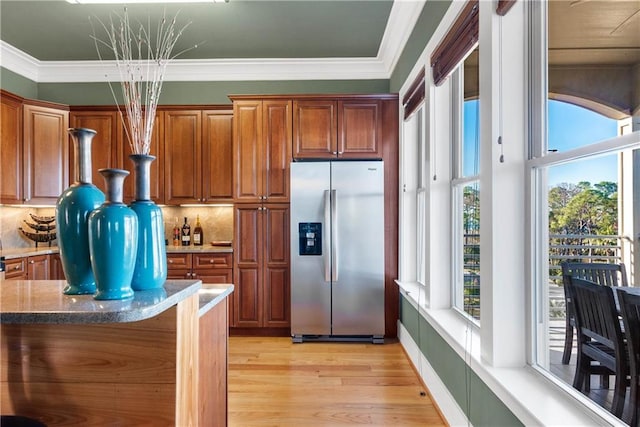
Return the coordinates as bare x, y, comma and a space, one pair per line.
210, 261
170, 261
17, 267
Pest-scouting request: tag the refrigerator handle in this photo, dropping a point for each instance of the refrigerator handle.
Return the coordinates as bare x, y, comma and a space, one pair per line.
334, 235
325, 241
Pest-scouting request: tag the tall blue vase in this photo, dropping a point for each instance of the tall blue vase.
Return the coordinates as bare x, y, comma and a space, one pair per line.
151, 263
113, 240
72, 211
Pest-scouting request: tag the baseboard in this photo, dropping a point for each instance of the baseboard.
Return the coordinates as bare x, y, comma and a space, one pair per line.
447, 405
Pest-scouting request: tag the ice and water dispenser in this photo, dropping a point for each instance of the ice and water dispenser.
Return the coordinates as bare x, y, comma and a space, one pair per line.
310, 238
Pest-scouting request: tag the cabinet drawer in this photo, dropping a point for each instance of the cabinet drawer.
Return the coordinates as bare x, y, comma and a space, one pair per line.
212, 261
15, 268
217, 275
178, 261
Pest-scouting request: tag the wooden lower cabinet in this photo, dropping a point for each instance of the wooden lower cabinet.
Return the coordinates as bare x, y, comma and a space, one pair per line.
38, 267
35, 267
261, 269
16, 268
56, 272
208, 267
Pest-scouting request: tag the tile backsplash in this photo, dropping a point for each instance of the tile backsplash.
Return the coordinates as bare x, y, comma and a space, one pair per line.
216, 221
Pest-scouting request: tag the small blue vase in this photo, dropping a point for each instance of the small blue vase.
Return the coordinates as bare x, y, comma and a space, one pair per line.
113, 240
151, 262
72, 211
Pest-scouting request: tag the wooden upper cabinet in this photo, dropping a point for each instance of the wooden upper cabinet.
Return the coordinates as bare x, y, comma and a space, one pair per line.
46, 153
277, 123
314, 128
337, 128
248, 150
105, 146
183, 153
360, 129
217, 156
262, 135
11, 159
157, 166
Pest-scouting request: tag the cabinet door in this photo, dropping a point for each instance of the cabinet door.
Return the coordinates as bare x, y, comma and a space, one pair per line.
248, 156
277, 302
217, 156
157, 166
56, 272
359, 129
314, 129
105, 145
16, 268
277, 149
183, 153
46, 154
10, 150
247, 261
38, 267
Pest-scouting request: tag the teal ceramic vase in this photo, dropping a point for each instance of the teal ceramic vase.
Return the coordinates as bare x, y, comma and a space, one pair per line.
113, 240
151, 262
72, 212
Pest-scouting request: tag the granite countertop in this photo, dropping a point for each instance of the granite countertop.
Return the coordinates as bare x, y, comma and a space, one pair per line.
42, 301
12, 253
199, 249
212, 294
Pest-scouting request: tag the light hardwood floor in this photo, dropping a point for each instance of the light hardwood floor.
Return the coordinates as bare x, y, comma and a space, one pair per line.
273, 382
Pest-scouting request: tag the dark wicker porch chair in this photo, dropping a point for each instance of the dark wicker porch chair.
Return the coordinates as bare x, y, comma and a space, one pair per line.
630, 310
601, 344
600, 273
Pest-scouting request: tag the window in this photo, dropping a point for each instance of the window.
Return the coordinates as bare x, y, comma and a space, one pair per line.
466, 188
415, 196
580, 162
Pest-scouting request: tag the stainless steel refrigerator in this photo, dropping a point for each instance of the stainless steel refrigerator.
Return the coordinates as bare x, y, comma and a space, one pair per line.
337, 250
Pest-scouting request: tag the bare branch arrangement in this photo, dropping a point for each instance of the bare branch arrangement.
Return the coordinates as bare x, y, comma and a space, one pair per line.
141, 60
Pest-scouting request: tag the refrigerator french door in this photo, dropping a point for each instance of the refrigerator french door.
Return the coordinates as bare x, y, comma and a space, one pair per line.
337, 250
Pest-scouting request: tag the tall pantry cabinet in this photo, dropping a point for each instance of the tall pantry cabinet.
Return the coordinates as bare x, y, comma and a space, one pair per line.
262, 153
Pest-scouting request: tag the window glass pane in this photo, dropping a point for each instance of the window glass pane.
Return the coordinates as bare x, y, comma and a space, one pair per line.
572, 126
471, 248
470, 116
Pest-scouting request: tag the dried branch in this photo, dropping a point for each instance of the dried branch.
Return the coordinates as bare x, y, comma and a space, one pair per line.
141, 61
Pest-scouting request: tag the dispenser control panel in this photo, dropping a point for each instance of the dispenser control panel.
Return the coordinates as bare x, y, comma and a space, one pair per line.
310, 238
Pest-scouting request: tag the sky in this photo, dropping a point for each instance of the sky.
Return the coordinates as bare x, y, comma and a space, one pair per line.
570, 127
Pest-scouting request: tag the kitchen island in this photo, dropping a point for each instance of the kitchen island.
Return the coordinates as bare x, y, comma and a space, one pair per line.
156, 359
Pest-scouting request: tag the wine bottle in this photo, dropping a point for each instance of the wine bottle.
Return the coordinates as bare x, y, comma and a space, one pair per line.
186, 233
198, 236
176, 233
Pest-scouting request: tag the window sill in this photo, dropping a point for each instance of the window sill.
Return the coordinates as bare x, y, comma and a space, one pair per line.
533, 397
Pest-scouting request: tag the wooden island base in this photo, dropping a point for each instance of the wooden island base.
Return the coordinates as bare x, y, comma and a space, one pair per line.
167, 370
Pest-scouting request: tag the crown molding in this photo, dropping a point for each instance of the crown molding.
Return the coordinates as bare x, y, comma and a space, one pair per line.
402, 19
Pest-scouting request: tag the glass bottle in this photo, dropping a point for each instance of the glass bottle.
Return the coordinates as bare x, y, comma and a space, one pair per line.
198, 236
176, 233
186, 233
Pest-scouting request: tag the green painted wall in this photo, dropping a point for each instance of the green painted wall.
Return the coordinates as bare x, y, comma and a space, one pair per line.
177, 93
481, 406
17, 84
431, 15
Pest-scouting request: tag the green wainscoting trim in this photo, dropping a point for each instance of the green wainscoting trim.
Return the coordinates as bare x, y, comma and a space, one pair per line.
17, 84
198, 93
481, 406
431, 15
